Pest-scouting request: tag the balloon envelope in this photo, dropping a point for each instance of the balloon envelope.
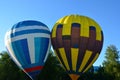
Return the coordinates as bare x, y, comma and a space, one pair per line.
28, 43
77, 41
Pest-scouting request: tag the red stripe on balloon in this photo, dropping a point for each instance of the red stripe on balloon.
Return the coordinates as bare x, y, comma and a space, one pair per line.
33, 69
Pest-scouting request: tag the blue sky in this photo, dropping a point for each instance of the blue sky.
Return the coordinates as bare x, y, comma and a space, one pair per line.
105, 12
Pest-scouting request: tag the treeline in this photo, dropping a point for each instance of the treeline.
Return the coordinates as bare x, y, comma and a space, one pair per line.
109, 70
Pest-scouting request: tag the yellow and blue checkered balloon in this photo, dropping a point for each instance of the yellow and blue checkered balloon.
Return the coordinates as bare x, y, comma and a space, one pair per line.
77, 41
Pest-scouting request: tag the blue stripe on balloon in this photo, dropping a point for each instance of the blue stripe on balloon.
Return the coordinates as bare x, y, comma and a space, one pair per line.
25, 50
21, 53
17, 52
29, 32
42, 44
45, 47
28, 23
37, 49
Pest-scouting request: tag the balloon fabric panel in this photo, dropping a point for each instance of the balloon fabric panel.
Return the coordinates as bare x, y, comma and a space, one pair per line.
24, 48
74, 56
14, 47
22, 53
41, 49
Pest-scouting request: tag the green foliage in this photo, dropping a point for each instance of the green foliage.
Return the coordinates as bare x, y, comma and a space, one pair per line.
53, 70
8, 69
112, 64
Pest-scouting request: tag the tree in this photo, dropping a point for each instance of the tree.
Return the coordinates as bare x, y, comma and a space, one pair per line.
53, 70
8, 69
111, 64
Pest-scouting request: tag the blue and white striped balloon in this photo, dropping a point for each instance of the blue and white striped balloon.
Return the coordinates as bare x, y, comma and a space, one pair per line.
28, 43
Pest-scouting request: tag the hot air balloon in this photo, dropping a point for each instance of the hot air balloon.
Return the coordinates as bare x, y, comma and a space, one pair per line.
77, 41
28, 44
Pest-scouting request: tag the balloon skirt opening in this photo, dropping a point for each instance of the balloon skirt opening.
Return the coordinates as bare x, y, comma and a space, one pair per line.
74, 76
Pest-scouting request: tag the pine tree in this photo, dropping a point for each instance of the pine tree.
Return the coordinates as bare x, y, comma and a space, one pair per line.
111, 64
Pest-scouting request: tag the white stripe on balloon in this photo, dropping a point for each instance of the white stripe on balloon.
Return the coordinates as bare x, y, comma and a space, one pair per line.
29, 35
31, 48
